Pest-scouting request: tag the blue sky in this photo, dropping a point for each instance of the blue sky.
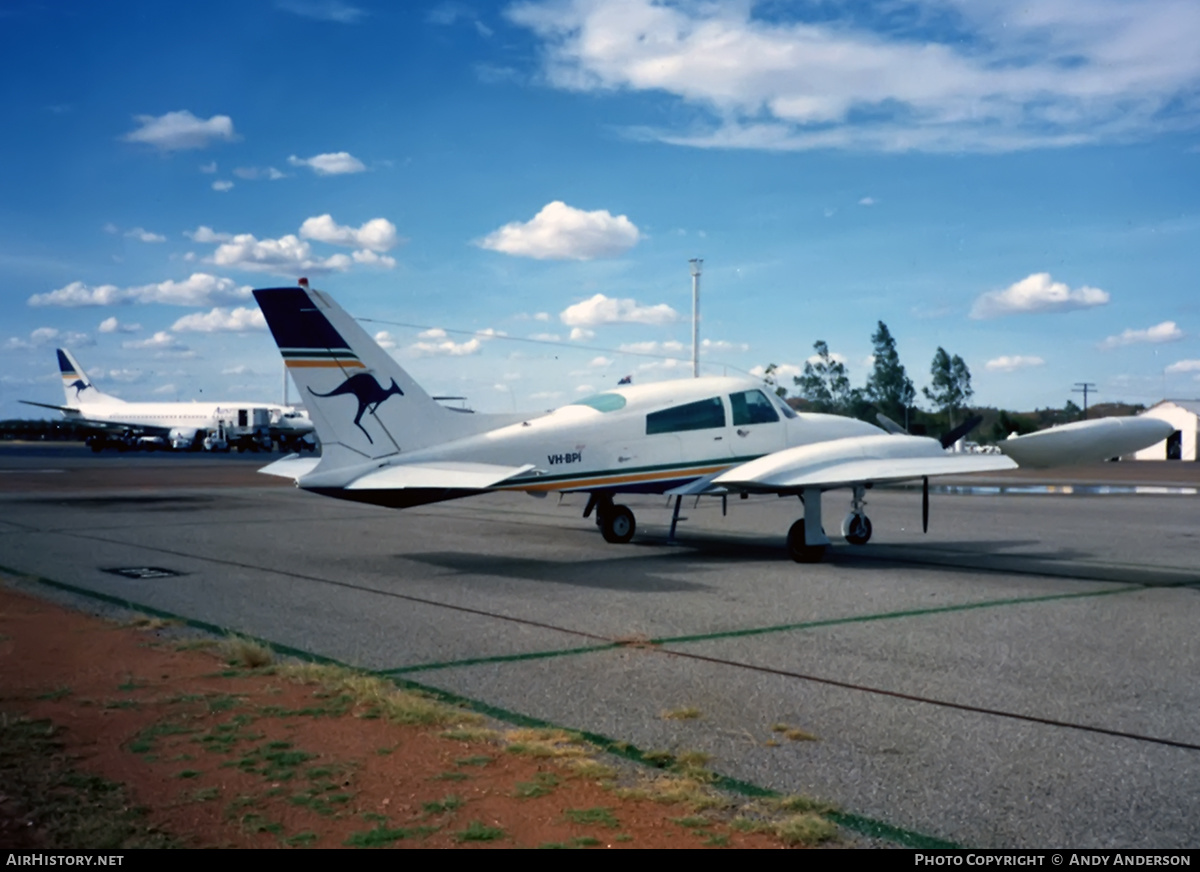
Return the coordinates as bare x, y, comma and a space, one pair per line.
1016, 185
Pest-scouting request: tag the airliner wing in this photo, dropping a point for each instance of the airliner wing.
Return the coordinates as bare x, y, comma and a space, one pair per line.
891, 458
74, 417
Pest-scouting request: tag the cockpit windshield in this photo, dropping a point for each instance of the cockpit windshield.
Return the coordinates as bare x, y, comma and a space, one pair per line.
602, 402
788, 411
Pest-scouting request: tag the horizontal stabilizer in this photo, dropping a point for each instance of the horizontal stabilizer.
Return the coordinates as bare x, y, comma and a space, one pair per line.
442, 474
293, 466
66, 409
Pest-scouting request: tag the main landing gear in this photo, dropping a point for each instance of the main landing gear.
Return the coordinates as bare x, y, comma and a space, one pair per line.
806, 540
616, 523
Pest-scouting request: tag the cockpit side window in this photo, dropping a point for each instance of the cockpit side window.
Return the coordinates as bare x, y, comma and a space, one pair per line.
693, 416
752, 407
782, 404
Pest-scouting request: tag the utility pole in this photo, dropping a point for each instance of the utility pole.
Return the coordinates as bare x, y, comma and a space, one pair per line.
696, 264
1083, 388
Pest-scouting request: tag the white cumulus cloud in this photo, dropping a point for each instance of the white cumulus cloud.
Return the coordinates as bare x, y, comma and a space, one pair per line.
608, 310
144, 235
580, 334
180, 130
669, 346
112, 325
44, 335
198, 289
323, 10
998, 77
79, 294
160, 341
207, 234
222, 185
221, 320
1184, 366
1167, 331
447, 348
1011, 363
334, 164
283, 256
561, 232
378, 234
1036, 293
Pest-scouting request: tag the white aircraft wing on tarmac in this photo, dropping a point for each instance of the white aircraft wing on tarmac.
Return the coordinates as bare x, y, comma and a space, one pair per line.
386, 441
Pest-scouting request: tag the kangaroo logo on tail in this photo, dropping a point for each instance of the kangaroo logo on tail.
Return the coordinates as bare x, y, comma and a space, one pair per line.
369, 393
79, 385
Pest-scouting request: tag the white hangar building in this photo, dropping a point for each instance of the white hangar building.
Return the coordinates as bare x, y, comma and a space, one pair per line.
1184, 415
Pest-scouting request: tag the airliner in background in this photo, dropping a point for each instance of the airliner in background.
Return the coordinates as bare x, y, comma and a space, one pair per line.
181, 426
384, 440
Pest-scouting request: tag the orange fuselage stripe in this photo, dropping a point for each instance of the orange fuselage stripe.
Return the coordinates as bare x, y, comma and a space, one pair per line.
617, 479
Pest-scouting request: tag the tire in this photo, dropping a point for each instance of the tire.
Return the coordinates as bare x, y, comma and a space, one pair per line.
799, 550
617, 525
857, 529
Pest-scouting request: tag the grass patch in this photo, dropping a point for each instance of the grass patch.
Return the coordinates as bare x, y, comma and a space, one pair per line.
188, 773
681, 714
382, 835
450, 776
794, 733
546, 743
379, 696
801, 804
471, 734
477, 760
477, 831
74, 810
246, 653
689, 792
601, 816
446, 804
542, 784
717, 840
57, 693
300, 840
805, 829
205, 794
131, 683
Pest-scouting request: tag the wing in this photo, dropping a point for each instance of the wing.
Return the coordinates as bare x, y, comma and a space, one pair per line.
891, 458
73, 416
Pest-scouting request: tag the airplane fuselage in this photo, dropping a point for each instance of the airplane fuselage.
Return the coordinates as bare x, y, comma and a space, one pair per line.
646, 438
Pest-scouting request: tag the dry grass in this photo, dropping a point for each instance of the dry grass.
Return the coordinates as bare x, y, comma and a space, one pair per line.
246, 653
547, 743
794, 733
379, 695
690, 792
681, 714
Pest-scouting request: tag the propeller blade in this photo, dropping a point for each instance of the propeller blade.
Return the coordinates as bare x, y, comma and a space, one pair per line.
925, 504
961, 430
888, 424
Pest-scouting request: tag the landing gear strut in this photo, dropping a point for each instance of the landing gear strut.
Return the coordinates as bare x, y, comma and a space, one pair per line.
856, 526
616, 523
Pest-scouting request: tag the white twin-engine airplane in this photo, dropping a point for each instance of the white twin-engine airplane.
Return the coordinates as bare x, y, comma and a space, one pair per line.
177, 425
386, 441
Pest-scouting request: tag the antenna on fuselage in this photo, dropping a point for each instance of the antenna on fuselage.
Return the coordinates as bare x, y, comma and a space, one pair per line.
696, 263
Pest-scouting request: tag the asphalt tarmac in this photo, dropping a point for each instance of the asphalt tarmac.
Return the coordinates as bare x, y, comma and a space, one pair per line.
1023, 675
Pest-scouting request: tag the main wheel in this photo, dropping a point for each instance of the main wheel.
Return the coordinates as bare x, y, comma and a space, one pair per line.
799, 549
617, 524
857, 529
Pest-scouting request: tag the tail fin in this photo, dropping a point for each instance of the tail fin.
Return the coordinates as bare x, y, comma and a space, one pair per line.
358, 396
77, 387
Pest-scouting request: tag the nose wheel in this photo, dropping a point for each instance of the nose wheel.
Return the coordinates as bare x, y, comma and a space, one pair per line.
857, 529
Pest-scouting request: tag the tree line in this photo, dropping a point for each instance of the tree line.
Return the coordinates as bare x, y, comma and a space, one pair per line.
825, 387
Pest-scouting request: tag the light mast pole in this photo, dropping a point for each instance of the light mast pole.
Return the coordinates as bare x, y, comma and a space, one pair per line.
696, 264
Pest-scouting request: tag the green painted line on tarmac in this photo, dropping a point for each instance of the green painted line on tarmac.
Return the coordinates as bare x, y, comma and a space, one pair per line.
856, 823
887, 616
753, 631
500, 658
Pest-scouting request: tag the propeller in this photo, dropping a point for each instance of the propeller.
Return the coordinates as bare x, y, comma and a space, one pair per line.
961, 430
925, 504
888, 424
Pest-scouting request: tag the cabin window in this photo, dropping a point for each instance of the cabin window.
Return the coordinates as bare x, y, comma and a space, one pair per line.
694, 416
752, 407
602, 402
